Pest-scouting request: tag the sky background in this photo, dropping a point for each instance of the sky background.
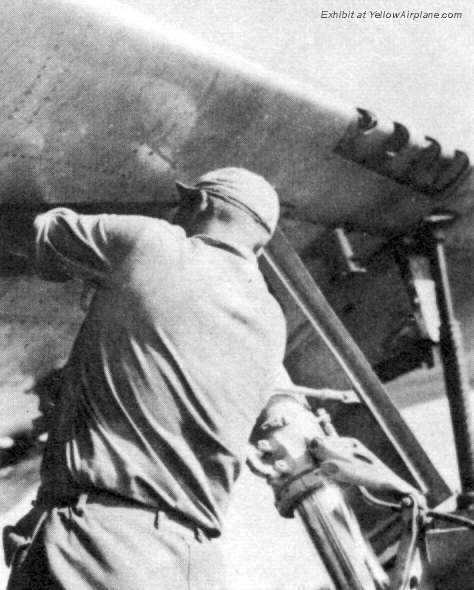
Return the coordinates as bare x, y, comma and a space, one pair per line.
419, 72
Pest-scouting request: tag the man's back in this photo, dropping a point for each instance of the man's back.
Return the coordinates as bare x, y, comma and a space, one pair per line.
171, 367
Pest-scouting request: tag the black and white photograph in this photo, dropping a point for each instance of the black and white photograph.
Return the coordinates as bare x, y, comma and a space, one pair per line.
236, 295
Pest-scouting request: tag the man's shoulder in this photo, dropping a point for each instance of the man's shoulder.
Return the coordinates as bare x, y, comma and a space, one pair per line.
143, 222
138, 229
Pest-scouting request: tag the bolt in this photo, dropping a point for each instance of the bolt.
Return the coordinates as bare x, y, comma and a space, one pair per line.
282, 466
275, 422
264, 446
329, 469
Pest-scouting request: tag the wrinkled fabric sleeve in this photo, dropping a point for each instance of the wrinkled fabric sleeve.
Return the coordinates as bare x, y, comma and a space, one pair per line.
89, 247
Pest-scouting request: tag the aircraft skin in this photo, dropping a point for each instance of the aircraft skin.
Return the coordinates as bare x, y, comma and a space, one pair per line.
98, 107
102, 110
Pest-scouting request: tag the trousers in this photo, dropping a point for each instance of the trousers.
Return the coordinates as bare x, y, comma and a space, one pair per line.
112, 546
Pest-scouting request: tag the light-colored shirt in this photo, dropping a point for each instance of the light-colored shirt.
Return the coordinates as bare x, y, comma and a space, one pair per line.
176, 357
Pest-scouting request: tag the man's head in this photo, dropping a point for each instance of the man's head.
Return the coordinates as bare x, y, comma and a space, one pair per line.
232, 202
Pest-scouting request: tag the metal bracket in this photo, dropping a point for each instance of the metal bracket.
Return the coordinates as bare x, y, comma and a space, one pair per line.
426, 248
346, 262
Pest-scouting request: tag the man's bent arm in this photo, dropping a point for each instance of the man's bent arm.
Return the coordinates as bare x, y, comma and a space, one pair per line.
63, 244
69, 245
50, 242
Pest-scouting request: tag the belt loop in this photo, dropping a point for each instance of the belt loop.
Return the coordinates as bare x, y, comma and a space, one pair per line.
157, 519
81, 503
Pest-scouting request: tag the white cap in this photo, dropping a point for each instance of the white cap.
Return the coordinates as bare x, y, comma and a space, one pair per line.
244, 189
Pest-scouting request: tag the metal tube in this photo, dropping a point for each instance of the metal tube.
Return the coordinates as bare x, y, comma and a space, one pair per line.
458, 389
282, 263
282, 436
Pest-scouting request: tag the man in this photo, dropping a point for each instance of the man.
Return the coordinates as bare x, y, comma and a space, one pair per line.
178, 353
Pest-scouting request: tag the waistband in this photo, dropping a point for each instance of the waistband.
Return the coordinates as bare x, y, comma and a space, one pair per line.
163, 516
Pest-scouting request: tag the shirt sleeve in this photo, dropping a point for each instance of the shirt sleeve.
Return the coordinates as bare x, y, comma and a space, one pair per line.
89, 247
